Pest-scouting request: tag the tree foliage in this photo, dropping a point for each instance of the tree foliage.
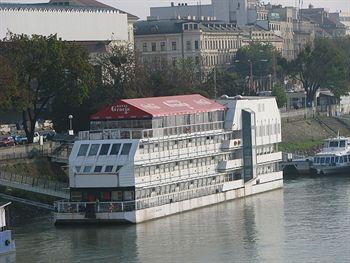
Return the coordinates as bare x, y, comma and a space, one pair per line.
279, 92
321, 66
47, 70
264, 59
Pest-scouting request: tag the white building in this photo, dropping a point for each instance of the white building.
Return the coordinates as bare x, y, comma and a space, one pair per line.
152, 157
344, 18
208, 43
71, 20
229, 11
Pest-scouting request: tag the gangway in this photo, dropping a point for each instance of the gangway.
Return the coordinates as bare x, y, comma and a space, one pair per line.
35, 185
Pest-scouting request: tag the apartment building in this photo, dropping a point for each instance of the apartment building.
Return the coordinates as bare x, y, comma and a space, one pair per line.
208, 43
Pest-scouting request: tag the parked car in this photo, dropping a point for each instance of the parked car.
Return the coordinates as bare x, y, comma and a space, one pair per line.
7, 141
20, 139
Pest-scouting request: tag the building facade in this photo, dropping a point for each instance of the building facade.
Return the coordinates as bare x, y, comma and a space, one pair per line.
209, 44
71, 20
153, 157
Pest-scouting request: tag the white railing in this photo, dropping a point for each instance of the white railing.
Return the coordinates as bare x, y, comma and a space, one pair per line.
64, 206
141, 133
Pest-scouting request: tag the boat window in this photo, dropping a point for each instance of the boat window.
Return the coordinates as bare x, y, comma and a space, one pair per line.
126, 149
318, 160
342, 144
345, 158
77, 169
327, 159
98, 169
83, 149
115, 149
108, 168
105, 149
349, 158
87, 169
94, 149
332, 160
337, 159
341, 159
322, 160
118, 168
333, 144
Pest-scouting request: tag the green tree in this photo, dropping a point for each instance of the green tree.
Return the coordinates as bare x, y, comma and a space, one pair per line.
321, 66
47, 70
279, 92
8, 91
227, 82
261, 59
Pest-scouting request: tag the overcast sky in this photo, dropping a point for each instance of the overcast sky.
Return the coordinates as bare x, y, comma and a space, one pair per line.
141, 7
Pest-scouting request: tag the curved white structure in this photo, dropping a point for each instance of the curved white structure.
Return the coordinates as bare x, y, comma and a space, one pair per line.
152, 157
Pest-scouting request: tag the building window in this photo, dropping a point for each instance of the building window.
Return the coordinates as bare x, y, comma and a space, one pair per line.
154, 47
126, 149
197, 60
173, 45
185, 27
188, 45
87, 169
105, 149
195, 26
98, 169
196, 45
115, 149
94, 149
108, 168
83, 149
162, 46
144, 47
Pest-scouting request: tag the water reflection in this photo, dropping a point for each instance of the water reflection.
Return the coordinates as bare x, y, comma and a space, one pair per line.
307, 221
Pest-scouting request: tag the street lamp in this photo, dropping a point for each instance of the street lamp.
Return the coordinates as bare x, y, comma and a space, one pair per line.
70, 131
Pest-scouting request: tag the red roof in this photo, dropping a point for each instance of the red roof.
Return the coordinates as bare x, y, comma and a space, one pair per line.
157, 106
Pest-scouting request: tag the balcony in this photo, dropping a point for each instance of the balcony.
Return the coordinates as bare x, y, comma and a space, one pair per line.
269, 157
140, 133
230, 165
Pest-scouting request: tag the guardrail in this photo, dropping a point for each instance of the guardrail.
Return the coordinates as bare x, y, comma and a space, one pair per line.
27, 151
99, 207
32, 184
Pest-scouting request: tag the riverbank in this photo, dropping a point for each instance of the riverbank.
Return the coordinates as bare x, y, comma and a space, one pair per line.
306, 136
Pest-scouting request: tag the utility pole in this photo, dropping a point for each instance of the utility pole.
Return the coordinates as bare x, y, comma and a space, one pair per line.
251, 81
215, 86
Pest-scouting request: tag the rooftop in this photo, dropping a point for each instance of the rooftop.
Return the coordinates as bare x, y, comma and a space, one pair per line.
143, 108
81, 5
173, 26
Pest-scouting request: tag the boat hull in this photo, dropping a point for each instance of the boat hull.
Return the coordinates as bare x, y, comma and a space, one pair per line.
142, 215
329, 170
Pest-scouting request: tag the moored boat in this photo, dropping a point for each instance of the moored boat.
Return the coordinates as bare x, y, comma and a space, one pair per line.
334, 157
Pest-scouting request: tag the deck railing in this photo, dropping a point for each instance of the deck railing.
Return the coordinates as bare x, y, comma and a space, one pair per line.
99, 207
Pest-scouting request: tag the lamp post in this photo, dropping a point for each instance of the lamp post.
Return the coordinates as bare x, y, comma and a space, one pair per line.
70, 131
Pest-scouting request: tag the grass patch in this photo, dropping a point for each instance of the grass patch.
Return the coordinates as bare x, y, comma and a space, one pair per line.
300, 146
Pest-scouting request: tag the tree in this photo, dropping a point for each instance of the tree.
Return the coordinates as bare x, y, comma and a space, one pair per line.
227, 82
7, 85
47, 70
279, 92
321, 66
263, 58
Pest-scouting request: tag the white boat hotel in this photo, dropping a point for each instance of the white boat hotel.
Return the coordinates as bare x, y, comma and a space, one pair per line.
152, 157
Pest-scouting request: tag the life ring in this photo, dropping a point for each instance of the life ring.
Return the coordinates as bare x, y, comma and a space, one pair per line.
7, 242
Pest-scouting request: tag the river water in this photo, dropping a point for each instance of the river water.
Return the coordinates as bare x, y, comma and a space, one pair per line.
307, 221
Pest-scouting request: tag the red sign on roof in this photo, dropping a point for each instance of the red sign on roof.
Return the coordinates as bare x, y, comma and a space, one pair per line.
143, 108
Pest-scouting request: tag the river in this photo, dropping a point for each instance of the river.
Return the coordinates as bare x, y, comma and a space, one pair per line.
306, 221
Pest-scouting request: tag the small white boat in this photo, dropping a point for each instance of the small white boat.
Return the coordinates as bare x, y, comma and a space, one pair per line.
7, 245
334, 157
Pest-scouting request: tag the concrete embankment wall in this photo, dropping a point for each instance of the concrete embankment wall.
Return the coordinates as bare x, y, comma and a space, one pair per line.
313, 129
